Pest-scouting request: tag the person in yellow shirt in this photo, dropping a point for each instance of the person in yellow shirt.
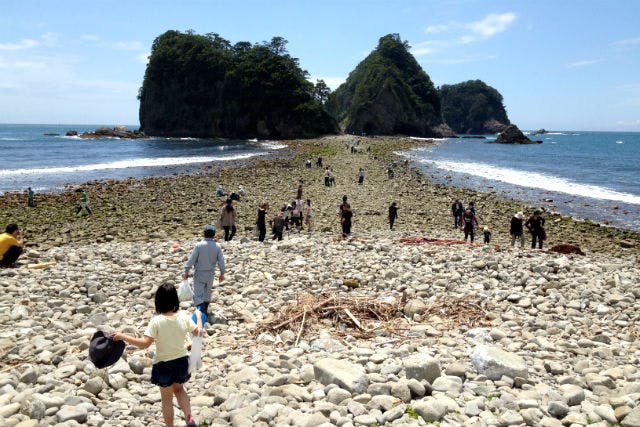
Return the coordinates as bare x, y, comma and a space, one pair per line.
168, 330
10, 246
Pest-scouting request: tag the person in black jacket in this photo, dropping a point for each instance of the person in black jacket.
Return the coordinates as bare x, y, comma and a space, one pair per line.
535, 225
393, 214
345, 219
470, 223
457, 210
516, 230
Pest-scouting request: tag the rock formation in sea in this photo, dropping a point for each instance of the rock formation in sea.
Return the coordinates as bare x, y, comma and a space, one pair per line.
203, 86
540, 132
513, 135
388, 93
118, 131
473, 107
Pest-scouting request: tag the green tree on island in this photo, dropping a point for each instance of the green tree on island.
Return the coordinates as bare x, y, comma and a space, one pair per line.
203, 86
473, 107
388, 93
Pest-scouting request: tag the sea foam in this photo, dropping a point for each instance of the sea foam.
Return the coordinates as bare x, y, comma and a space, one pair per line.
272, 145
126, 164
535, 180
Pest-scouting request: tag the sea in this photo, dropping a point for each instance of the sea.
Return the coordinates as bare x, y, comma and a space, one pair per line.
586, 175
43, 158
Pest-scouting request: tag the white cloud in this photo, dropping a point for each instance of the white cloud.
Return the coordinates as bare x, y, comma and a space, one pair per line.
492, 24
21, 45
463, 33
118, 45
32, 76
627, 42
435, 29
50, 39
584, 63
90, 37
424, 48
628, 123
126, 45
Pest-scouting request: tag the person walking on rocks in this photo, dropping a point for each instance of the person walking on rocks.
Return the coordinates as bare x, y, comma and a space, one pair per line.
84, 203
228, 216
11, 243
516, 230
342, 205
487, 235
31, 198
297, 214
457, 210
393, 214
300, 189
360, 176
278, 225
206, 255
469, 222
261, 221
168, 329
347, 215
327, 176
308, 216
535, 225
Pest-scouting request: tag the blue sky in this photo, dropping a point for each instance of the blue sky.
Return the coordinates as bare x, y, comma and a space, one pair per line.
570, 65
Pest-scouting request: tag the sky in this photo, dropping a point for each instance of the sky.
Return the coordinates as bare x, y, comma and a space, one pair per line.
559, 64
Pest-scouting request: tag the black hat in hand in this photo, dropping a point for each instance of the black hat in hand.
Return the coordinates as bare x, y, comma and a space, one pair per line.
103, 351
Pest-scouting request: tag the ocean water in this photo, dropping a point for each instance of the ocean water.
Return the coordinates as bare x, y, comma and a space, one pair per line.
50, 162
589, 175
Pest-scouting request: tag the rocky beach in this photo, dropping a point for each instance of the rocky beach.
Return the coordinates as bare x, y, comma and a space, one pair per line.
477, 336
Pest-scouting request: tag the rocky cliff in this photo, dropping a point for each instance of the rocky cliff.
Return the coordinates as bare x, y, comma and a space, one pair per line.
473, 107
203, 86
388, 93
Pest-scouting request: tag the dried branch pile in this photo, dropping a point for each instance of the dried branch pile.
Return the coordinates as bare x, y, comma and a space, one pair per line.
468, 311
362, 315
365, 314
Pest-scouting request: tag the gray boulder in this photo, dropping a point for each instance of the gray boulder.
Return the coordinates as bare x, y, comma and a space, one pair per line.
69, 412
494, 363
632, 419
345, 374
430, 409
422, 367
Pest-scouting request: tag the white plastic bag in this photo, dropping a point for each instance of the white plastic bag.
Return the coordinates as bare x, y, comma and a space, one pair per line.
195, 358
185, 293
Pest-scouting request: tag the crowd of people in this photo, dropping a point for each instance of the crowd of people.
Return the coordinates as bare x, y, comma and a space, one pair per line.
467, 220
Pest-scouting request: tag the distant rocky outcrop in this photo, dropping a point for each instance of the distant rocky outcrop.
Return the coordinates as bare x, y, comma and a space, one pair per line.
473, 107
513, 135
106, 132
203, 86
388, 93
540, 132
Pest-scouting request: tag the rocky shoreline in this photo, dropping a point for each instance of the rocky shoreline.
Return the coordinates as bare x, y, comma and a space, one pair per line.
542, 339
